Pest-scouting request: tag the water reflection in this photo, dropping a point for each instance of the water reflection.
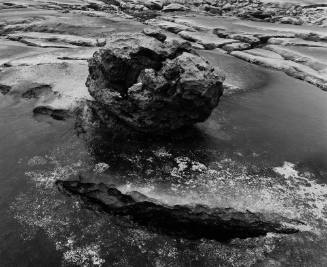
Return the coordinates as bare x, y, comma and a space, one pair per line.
227, 161
87, 237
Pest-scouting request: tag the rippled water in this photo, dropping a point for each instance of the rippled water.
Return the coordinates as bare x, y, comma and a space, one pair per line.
263, 150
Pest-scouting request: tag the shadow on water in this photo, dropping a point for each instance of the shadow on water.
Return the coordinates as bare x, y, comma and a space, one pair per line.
284, 120
134, 157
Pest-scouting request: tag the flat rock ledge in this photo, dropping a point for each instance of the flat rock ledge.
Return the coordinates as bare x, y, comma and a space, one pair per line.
191, 222
151, 85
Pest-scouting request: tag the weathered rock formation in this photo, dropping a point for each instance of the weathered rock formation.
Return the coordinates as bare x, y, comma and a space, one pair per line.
153, 86
287, 12
192, 222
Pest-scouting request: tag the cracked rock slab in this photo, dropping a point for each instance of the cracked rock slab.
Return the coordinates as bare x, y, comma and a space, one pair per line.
208, 40
175, 7
295, 42
169, 26
49, 38
291, 68
236, 46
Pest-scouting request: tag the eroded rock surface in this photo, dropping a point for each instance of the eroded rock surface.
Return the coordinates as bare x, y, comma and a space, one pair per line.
192, 222
250, 41
153, 86
286, 12
291, 68
208, 40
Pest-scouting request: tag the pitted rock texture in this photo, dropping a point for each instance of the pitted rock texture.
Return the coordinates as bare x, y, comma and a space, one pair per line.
153, 86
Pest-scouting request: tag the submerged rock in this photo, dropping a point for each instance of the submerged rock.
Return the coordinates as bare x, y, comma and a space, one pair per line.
153, 86
56, 106
192, 222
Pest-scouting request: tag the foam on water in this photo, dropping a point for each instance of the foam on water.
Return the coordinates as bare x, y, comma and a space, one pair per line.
226, 183
86, 238
229, 184
46, 179
84, 256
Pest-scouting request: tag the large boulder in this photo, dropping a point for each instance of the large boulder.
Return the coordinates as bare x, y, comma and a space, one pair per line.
152, 86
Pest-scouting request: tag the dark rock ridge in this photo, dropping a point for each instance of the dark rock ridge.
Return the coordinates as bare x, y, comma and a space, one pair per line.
153, 86
192, 222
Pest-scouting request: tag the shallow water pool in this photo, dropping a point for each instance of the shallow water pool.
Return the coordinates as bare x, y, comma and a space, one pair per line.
264, 149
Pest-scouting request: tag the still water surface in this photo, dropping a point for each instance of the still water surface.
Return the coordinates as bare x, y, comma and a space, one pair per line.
230, 160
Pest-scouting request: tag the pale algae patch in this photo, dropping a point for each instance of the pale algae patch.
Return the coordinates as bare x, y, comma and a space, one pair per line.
227, 183
89, 238
82, 255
